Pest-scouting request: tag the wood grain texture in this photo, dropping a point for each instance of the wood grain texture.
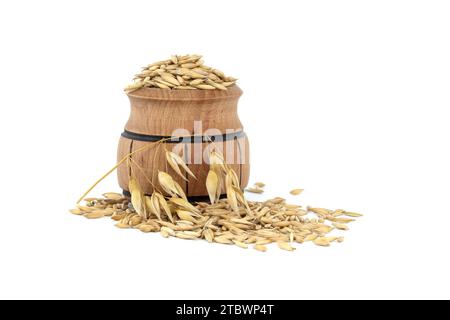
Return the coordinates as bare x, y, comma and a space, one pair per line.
160, 112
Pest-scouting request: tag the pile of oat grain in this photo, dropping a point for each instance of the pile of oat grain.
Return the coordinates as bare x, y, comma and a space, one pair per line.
181, 73
271, 221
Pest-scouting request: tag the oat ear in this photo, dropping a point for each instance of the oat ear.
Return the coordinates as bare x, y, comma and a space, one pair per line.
170, 160
175, 160
212, 184
179, 191
219, 188
186, 215
232, 200
163, 204
184, 205
151, 207
137, 198
166, 182
217, 162
234, 178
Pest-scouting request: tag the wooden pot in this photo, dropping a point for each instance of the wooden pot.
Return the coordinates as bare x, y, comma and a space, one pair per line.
187, 121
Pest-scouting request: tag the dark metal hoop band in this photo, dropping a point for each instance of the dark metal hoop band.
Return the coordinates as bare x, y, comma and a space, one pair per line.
188, 139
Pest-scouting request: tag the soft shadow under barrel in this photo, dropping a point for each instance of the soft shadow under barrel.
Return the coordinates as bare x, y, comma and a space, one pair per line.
189, 123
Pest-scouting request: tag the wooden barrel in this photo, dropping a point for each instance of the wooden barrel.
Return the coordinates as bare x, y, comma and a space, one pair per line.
190, 122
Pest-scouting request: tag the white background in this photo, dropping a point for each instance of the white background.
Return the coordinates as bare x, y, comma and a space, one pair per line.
346, 99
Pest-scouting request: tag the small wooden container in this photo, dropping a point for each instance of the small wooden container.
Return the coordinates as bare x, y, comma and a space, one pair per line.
190, 119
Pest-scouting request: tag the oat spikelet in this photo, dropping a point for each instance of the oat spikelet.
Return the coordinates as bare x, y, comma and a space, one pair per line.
183, 164
164, 205
241, 199
175, 161
234, 180
170, 186
179, 191
217, 162
174, 165
232, 200
152, 204
137, 198
156, 205
186, 215
166, 182
184, 205
212, 184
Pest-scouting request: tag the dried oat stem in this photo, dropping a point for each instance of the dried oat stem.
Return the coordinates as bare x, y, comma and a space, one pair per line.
117, 165
142, 171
